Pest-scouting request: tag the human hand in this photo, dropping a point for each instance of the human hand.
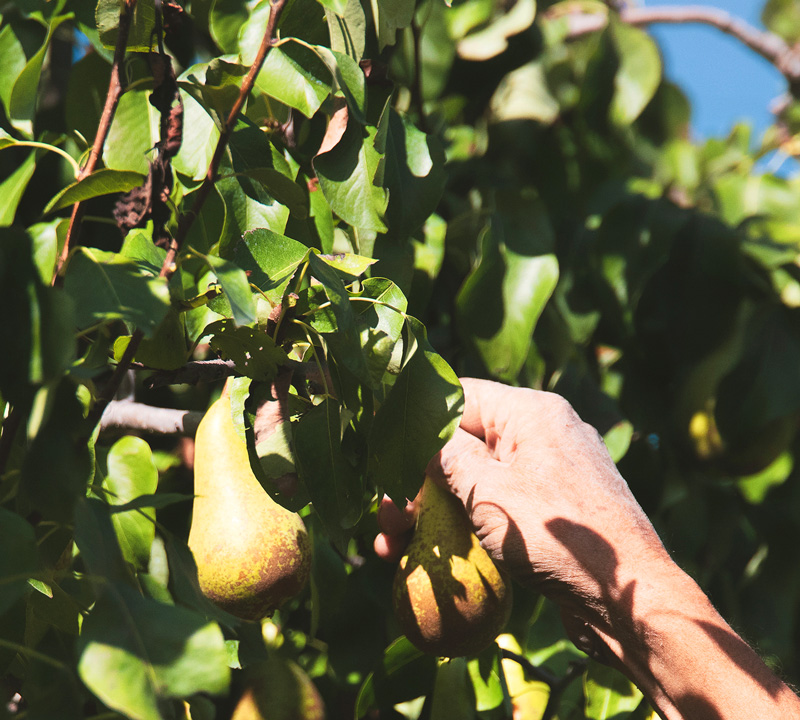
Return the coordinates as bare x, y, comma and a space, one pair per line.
544, 497
549, 505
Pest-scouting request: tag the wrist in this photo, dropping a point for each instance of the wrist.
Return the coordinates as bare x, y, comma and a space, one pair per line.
666, 636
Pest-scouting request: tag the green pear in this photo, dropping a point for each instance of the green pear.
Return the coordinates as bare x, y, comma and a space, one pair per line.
449, 597
252, 554
279, 689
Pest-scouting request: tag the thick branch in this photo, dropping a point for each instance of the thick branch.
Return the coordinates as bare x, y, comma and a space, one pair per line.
127, 415
115, 90
768, 45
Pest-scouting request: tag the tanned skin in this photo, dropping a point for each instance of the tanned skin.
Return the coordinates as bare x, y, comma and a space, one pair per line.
549, 505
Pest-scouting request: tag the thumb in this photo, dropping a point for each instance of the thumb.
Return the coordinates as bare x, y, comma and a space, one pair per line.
460, 465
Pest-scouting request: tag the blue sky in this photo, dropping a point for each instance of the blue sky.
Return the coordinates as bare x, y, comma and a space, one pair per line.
725, 81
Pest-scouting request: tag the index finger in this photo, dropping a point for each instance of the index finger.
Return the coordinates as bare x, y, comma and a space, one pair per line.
490, 406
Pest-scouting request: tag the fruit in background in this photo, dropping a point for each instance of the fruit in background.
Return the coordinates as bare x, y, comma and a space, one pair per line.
279, 690
449, 597
251, 553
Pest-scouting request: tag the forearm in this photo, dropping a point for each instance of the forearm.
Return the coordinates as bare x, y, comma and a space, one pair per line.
674, 645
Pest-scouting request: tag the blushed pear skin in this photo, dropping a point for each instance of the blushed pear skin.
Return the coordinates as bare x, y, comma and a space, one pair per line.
252, 554
450, 599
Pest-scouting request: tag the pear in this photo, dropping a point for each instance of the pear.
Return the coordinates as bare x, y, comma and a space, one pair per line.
450, 599
252, 554
279, 690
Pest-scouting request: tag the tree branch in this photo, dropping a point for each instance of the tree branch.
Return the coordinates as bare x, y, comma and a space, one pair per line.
128, 415
766, 44
187, 219
115, 90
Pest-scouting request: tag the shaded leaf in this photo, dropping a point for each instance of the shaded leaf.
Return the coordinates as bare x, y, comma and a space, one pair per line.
19, 557
347, 175
236, 287
419, 415
391, 16
609, 694
140, 35
270, 260
332, 483
135, 652
107, 287
253, 351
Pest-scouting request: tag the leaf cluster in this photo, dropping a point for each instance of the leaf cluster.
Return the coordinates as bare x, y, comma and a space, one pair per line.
411, 192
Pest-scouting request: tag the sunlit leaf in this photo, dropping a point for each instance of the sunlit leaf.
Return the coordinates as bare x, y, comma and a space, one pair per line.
608, 693
132, 473
101, 182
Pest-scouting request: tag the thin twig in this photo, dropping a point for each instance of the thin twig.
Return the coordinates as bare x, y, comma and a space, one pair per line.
115, 90
187, 219
766, 44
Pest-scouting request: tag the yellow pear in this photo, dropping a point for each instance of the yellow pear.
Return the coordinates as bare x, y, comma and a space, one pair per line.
252, 554
449, 597
279, 690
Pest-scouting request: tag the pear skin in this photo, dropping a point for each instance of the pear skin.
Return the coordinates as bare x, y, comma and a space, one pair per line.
450, 599
252, 554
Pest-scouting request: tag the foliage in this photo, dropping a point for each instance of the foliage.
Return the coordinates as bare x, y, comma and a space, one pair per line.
413, 192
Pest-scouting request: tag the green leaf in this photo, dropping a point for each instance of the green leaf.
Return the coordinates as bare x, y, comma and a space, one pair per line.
248, 205
270, 260
253, 351
256, 157
391, 16
419, 415
347, 175
97, 542
502, 299
101, 182
333, 484
38, 335
161, 500
492, 40
381, 325
344, 341
349, 77
199, 144
236, 287
215, 85
783, 18
140, 35
135, 653
348, 30
132, 473
754, 488
414, 176
19, 557
638, 75
453, 695
295, 75
107, 287
48, 239
133, 134
224, 21
523, 94
13, 187
488, 681
609, 694
399, 655
21, 106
